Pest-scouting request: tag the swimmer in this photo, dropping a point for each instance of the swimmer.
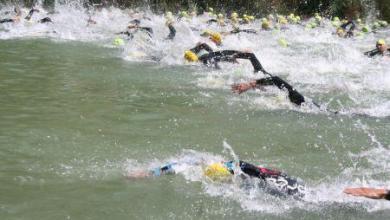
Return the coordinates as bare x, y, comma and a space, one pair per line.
238, 30
343, 32
294, 96
15, 19
134, 27
381, 49
371, 193
204, 53
172, 31
43, 20
277, 181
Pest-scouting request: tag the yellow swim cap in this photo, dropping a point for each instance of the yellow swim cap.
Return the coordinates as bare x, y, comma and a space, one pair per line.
190, 56
340, 31
205, 33
265, 25
217, 171
216, 37
381, 42
118, 41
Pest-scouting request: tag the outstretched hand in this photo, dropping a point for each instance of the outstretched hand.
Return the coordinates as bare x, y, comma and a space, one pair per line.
241, 87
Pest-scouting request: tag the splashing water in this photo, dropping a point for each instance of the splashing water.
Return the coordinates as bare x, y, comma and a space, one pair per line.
328, 69
317, 63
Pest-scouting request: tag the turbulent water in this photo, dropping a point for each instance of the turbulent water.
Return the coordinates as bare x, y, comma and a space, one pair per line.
78, 113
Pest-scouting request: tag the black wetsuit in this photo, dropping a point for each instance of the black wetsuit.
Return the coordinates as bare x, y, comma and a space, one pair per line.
376, 52
387, 196
281, 181
231, 55
172, 32
212, 21
213, 57
249, 31
6, 20
147, 30
30, 14
45, 20
294, 96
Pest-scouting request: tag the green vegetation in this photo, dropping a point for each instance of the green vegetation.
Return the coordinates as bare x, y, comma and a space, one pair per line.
340, 8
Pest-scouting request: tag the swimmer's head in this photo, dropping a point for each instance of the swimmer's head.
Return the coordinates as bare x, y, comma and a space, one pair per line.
340, 31
217, 172
190, 56
381, 45
381, 42
216, 38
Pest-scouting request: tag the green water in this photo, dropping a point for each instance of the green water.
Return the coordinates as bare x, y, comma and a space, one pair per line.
73, 114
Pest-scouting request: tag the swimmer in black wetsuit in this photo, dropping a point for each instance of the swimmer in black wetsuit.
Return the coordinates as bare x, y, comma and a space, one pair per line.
205, 54
238, 30
277, 181
16, 18
43, 20
381, 49
135, 27
294, 96
172, 31
371, 193
346, 30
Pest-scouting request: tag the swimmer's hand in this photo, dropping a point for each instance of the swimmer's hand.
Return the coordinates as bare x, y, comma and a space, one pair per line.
243, 87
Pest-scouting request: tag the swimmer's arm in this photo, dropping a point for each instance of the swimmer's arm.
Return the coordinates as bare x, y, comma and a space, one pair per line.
202, 46
371, 53
167, 169
172, 32
371, 193
30, 14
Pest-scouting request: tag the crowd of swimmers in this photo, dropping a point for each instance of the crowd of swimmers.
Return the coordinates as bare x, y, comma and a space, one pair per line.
203, 53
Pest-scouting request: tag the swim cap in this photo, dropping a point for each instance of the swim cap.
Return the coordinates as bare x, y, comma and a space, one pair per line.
169, 16
381, 42
220, 15
217, 171
282, 42
183, 14
205, 33
118, 41
283, 20
234, 15
190, 56
340, 31
216, 37
365, 29
265, 25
